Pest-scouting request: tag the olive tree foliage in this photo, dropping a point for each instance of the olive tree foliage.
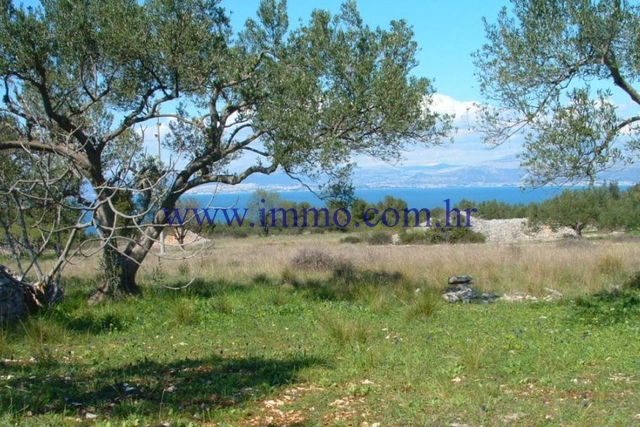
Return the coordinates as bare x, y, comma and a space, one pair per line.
549, 71
89, 75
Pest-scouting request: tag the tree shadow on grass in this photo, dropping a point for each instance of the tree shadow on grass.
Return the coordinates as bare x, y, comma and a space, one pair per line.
348, 283
198, 288
116, 315
608, 308
145, 388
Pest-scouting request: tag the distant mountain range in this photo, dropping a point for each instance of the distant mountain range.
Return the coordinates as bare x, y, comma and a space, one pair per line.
504, 172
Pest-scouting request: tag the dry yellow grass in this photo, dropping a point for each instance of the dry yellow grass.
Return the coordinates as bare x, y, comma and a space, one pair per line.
572, 268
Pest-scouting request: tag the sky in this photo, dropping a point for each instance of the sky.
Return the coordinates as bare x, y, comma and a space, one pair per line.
447, 32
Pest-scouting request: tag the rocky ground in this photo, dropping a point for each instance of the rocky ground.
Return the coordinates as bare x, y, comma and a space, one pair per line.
190, 239
513, 230
517, 230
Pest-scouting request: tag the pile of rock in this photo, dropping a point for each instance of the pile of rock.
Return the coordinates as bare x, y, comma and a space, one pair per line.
516, 230
459, 290
190, 238
19, 298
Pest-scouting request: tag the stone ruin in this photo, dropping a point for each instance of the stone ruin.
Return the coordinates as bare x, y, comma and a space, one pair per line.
459, 290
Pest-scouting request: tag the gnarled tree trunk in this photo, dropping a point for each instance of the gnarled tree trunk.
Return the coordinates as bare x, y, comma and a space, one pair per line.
119, 276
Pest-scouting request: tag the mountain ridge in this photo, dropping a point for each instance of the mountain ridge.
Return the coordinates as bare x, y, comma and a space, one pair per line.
497, 173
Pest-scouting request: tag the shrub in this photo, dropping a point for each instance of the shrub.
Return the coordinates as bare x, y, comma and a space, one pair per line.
443, 235
633, 282
416, 238
351, 239
239, 233
313, 259
381, 238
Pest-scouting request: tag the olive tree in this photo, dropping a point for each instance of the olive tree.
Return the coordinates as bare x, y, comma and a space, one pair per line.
89, 75
549, 70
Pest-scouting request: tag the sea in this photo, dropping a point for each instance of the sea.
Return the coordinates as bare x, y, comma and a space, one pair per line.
415, 197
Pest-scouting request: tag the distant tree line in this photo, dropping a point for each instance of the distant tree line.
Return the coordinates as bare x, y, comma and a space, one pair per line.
273, 214
606, 208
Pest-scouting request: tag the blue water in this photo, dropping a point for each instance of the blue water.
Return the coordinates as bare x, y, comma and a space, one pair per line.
415, 197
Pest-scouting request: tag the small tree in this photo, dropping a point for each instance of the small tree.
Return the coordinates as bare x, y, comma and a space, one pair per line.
186, 206
39, 213
392, 203
575, 209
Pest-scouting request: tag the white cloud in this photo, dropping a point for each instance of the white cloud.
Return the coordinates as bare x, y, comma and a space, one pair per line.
465, 112
467, 147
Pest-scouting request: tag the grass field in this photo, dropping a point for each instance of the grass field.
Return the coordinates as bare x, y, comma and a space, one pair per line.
304, 331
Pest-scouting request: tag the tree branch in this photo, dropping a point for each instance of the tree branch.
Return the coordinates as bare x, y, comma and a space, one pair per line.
232, 179
135, 117
611, 63
62, 150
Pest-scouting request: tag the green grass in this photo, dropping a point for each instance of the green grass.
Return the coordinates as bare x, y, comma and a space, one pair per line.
360, 346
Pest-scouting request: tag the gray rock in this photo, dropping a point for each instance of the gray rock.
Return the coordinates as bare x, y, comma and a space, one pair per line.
460, 279
12, 305
460, 290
